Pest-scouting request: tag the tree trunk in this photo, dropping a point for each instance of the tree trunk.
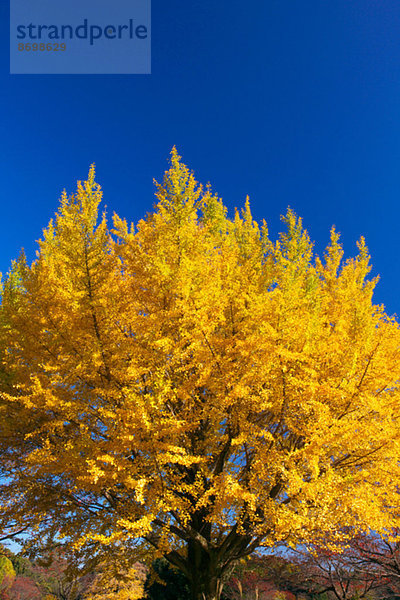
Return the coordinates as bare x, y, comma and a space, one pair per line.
208, 589
205, 575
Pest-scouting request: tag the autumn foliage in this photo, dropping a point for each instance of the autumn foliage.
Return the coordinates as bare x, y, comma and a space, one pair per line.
7, 575
189, 388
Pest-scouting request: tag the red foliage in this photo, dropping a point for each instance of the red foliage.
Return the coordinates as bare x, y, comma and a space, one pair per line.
24, 588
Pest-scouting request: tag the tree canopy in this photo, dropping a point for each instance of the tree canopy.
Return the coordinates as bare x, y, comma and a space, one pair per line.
189, 388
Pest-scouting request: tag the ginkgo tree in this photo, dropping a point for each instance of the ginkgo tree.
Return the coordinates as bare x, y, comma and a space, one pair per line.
189, 388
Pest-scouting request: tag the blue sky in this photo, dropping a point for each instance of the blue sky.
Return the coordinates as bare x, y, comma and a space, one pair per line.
294, 103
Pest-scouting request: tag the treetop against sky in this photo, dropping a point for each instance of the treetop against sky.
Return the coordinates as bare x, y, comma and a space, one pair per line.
293, 104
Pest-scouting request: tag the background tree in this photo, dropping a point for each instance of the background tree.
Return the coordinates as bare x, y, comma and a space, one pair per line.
249, 584
54, 575
169, 584
7, 575
376, 553
265, 575
191, 389
47, 579
378, 558
25, 588
117, 586
339, 575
